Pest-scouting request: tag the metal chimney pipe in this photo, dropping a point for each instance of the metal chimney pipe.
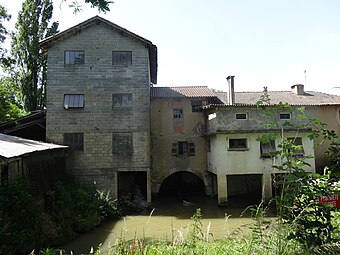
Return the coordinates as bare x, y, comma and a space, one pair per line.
231, 91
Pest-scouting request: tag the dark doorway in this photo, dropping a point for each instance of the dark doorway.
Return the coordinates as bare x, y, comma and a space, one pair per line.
182, 186
131, 183
244, 190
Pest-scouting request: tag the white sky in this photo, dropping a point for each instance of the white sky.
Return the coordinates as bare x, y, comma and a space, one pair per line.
200, 42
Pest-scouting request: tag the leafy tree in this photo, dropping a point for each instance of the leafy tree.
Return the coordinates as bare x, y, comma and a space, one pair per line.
30, 62
4, 16
9, 107
101, 5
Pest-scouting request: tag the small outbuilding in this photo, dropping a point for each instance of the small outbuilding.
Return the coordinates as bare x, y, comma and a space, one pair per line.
42, 163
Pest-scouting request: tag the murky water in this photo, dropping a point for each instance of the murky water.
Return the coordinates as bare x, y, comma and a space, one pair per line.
168, 220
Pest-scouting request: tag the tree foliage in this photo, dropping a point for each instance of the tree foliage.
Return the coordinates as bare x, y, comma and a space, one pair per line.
101, 5
4, 16
30, 62
9, 107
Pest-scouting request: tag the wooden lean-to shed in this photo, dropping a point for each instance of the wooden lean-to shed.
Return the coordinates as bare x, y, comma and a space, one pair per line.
42, 163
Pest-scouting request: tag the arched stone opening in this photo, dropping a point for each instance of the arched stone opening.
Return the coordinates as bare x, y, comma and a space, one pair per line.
182, 185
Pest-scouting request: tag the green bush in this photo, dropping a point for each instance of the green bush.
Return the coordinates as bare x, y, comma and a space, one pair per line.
20, 222
79, 209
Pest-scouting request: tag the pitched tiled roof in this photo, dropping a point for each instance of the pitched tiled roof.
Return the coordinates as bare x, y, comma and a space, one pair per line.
308, 98
12, 146
96, 20
176, 92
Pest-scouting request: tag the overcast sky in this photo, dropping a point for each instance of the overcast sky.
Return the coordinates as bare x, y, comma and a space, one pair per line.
263, 43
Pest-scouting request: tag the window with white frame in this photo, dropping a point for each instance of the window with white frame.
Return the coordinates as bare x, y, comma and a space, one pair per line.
238, 144
122, 100
75, 141
183, 148
285, 116
122, 143
74, 57
267, 149
241, 116
73, 101
178, 115
122, 58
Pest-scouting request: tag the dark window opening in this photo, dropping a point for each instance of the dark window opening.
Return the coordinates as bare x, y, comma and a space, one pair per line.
74, 140
285, 116
196, 106
238, 144
122, 58
122, 143
4, 174
267, 149
74, 57
73, 101
241, 116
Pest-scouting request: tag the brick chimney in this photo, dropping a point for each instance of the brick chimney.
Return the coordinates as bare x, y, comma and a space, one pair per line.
298, 89
231, 91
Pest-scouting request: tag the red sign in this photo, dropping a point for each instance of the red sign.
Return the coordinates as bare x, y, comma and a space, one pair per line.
334, 200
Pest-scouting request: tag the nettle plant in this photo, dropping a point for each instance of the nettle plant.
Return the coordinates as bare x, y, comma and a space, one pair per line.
298, 191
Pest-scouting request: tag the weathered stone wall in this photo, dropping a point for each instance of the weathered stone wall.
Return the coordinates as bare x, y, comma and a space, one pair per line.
98, 80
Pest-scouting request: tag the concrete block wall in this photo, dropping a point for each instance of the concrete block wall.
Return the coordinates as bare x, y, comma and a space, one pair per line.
98, 80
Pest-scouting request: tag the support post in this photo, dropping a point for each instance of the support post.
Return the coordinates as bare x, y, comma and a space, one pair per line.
266, 188
222, 190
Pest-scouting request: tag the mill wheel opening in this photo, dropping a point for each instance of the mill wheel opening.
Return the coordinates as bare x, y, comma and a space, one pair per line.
182, 186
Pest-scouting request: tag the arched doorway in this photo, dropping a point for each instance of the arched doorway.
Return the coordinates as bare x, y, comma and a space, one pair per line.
182, 186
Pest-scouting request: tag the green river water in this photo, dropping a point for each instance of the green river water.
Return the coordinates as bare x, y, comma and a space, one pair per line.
168, 219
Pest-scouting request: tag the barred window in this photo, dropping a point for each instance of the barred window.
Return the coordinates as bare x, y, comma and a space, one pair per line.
74, 140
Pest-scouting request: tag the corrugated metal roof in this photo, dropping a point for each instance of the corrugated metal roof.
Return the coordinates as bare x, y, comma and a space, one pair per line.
12, 146
178, 92
308, 98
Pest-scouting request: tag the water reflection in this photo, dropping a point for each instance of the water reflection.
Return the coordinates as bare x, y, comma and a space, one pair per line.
166, 220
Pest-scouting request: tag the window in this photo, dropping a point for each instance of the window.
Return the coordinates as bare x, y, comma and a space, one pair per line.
122, 143
297, 149
4, 174
241, 116
183, 148
267, 149
238, 144
74, 140
122, 100
73, 101
285, 116
178, 114
196, 106
74, 57
121, 58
